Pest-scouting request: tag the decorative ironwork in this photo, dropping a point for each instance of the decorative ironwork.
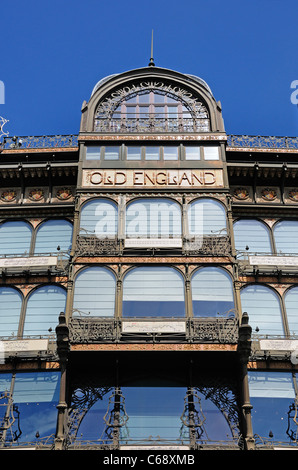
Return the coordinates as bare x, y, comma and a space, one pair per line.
192, 417
201, 330
93, 246
152, 124
10, 416
264, 142
213, 245
40, 142
3, 121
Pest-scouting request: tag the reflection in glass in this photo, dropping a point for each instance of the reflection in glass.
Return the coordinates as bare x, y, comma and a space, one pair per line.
10, 309
53, 236
152, 153
286, 236
99, 217
212, 293
263, 308
134, 153
153, 292
207, 217
94, 292
252, 236
192, 153
111, 153
15, 238
271, 396
291, 304
171, 153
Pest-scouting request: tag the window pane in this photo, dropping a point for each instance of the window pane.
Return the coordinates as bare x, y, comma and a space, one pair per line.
192, 153
15, 238
144, 112
207, 217
272, 394
93, 153
53, 234
153, 218
212, 292
171, 153
252, 234
152, 153
291, 303
286, 236
43, 309
134, 153
111, 153
211, 153
99, 217
144, 98
158, 98
153, 292
263, 308
36, 395
94, 292
10, 309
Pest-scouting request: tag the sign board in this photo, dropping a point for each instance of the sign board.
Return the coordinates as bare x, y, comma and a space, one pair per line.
153, 178
153, 242
153, 327
274, 260
278, 345
22, 346
34, 261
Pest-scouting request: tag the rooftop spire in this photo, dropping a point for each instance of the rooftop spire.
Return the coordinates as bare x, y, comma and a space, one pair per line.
151, 63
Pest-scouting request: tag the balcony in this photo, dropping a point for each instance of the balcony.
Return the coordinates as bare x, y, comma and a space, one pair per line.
151, 124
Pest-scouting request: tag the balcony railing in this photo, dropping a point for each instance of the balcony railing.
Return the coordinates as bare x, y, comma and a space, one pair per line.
145, 125
223, 330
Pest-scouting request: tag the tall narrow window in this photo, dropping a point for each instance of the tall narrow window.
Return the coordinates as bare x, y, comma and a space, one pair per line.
207, 217
291, 304
252, 236
153, 218
272, 395
36, 396
263, 307
286, 236
43, 309
99, 217
15, 238
153, 292
53, 236
94, 294
10, 309
212, 293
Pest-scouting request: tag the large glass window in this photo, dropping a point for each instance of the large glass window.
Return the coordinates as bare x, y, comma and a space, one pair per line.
291, 304
10, 309
43, 308
206, 217
252, 236
286, 236
99, 217
33, 410
53, 236
15, 238
153, 218
153, 292
272, 396
263, 307
212, 292
94, 294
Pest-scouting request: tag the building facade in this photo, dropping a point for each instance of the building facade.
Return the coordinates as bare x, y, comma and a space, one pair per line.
149, 281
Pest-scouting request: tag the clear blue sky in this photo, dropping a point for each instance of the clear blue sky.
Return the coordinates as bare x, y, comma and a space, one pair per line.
53, 52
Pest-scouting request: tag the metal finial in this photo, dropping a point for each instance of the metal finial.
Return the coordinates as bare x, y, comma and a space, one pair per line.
151, 63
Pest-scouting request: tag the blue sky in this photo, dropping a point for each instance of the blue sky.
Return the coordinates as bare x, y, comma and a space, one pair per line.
53, 52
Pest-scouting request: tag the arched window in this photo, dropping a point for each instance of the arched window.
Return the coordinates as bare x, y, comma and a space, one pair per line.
99, 217
263, 307
10, 309
94, 293
153, 291
286, 236
43, 308
153, 218
15, 238
291, 304
252, 236
207, 217
212, 292
53, 234
149, 110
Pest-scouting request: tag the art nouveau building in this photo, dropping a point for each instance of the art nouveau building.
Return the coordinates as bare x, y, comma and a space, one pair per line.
149, 280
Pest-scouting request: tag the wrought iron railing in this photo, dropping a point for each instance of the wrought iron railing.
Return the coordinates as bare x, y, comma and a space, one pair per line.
223, 330
39, 142
151, 124
147, 125
260, 141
